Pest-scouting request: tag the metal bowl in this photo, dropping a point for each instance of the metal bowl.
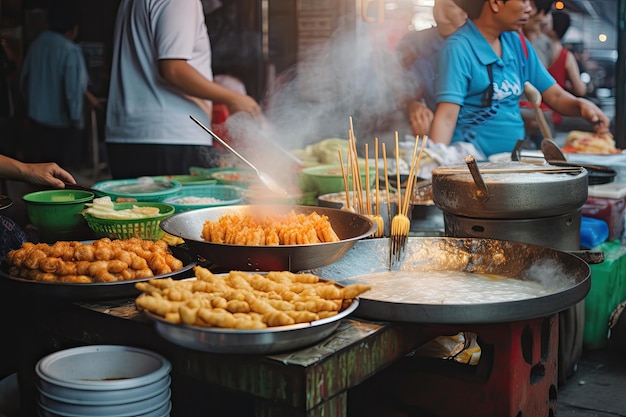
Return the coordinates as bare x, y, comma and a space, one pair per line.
350, 227
256, 342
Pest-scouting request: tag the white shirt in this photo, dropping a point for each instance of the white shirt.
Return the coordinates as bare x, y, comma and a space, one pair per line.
142, 107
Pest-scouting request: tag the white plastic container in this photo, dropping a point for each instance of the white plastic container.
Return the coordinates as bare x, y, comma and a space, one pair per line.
104, 380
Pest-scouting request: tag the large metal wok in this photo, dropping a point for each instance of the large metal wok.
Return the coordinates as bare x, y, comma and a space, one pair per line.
350, 227
485, 256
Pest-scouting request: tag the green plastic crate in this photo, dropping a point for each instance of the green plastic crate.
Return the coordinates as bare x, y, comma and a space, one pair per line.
608, 289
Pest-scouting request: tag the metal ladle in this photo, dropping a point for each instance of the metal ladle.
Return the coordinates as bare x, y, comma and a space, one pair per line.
268, 181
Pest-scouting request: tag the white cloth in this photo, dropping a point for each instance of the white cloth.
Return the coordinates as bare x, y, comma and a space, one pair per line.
454, 153
435, 155
142, 107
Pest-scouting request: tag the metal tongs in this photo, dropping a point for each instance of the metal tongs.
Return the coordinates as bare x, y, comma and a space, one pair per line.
268, 181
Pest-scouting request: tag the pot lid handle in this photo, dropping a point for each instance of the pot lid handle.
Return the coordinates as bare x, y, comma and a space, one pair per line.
482, 193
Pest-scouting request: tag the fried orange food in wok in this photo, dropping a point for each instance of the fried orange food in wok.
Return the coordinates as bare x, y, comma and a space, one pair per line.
270, 229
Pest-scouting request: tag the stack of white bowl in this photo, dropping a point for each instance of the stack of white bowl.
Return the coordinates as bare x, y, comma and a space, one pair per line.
104, 381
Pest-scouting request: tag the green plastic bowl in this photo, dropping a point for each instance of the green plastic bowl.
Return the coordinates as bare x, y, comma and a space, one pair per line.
327, 179
57, 213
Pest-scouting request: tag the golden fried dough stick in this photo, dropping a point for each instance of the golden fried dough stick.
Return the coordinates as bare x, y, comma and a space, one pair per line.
245, 324
282, 305
326, 314
354, 290
188, 312
244, 300
329, 292
237, 306
157, 304
173, 317
217, 317
277, 318
302, 316
147, 287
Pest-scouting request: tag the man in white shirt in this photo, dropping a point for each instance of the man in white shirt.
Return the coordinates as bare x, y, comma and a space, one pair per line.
161, 74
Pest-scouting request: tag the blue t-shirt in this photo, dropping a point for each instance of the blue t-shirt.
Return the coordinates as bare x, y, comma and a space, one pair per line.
464, 78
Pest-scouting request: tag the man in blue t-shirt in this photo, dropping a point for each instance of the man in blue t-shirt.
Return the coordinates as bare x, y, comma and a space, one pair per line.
483, 68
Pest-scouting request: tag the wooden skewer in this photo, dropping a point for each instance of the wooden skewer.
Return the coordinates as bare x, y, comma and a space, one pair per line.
345, 181
380, 223
399, 184
532, 170
387, 182
368, 200
407, 194
356, 174
413, 174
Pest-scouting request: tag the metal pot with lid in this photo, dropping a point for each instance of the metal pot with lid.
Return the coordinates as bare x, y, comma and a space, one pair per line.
539, 204
509, 190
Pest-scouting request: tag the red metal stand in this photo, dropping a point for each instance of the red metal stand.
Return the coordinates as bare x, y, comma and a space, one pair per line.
516, 375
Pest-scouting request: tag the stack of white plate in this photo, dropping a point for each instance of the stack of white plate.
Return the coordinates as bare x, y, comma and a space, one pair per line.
104, 380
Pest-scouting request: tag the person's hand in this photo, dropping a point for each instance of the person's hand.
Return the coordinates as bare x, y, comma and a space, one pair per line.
93, 101
245, 103
592, 113
48, 173
420, 118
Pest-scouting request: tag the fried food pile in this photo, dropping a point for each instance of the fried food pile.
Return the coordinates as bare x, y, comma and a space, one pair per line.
270, 230
589, 142
242, 300
103, 260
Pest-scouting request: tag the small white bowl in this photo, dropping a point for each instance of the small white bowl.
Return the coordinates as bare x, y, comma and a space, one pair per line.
103, 368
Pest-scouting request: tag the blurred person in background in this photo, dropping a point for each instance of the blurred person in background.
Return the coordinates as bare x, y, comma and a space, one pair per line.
483, 68
563, 67
534, 27
162, 74
53, 83
419, 54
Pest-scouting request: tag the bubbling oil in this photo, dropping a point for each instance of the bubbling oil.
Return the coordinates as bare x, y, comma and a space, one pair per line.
450, 287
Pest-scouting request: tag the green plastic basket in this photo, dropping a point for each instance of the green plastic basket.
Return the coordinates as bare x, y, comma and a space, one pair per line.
148, 228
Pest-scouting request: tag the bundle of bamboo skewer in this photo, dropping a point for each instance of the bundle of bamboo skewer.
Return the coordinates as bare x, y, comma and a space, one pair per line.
354, 187
399, 223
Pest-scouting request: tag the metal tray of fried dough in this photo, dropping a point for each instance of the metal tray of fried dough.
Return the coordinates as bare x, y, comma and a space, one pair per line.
257, 342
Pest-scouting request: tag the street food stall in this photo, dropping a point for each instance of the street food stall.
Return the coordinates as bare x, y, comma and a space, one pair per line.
492, 304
